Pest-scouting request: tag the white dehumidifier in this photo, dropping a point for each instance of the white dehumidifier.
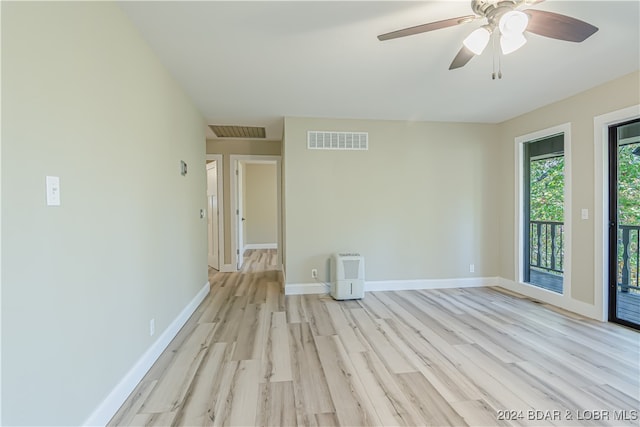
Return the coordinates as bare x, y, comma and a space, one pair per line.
347, 276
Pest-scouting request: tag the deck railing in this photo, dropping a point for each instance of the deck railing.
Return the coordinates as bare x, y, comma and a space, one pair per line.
628, 257
546, 246
546, 251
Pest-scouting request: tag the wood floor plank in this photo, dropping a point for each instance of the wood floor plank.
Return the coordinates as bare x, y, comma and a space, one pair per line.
250, 355
277, 407
294, 310
433, 362
247, 332
272, 299
212, 308
376, 307
161, 419
317, 314
218, 412
344, 327
492, 390
431, 405
398, 311
276, 359
391, 405
393, 359
478, 413
199, 401
535, 393
577, 398
169, 393
310, 387
616, 399
327, 419
429, 318
243, 394
132, 406
353, 407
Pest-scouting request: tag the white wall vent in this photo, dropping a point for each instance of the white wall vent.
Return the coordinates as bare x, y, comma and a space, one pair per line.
322, 140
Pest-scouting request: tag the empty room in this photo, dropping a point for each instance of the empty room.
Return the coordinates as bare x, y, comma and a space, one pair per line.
320, 213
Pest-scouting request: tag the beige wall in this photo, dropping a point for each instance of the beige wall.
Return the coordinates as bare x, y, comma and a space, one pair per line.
84, 98
241, 147
579, 111
261, 208
419, 204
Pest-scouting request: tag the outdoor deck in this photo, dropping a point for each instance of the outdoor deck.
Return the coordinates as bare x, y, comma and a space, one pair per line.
628, 302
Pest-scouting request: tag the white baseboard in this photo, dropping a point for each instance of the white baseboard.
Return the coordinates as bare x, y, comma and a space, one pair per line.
408, 285
305, 288
562, 301
110, 405
565, 302
260, 246
227, 268
397, 285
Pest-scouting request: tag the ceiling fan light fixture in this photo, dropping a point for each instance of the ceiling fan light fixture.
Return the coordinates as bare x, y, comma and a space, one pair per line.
477, 40
513, 22
512, 43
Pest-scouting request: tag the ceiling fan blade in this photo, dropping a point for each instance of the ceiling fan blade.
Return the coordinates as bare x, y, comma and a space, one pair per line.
461, 59
557, 26
426, 27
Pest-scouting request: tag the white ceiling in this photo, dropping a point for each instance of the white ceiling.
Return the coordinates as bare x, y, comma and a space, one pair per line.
253, 63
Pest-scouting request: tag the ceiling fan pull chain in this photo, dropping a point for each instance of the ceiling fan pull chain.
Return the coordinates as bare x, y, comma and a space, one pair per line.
493, 56
499, 65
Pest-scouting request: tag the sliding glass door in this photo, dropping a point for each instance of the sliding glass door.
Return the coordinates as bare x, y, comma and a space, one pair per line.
624, 223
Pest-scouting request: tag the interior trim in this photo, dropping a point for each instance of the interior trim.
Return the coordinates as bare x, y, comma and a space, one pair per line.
114, 400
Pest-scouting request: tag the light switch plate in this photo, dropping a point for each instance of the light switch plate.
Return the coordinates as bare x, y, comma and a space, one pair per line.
53, 190
585, 214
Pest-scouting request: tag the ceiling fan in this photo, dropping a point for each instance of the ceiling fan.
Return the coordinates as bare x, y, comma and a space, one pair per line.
504, 19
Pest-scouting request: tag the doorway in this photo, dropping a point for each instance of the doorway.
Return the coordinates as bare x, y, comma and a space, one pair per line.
624, 223
256, 205
214, 210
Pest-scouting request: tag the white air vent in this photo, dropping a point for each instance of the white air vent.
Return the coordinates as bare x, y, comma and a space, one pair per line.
320, 140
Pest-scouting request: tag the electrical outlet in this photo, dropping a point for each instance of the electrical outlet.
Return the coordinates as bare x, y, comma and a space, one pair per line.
472, 268
314, 273
152, 327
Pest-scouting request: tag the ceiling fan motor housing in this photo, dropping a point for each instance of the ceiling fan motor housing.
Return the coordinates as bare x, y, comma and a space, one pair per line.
493, 9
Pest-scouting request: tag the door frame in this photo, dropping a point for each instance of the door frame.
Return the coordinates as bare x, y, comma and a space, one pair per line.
563, 300
239, 214
219, 178
601, 198
234, 159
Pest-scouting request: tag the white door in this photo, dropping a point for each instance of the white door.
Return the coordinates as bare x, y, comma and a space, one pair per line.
240, 220
212, 215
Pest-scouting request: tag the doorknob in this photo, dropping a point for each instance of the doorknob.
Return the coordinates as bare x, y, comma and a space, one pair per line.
243, 219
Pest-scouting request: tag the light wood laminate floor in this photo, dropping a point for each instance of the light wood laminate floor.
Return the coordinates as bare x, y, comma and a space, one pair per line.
251, 356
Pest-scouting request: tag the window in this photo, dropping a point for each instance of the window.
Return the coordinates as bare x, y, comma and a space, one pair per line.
543, 243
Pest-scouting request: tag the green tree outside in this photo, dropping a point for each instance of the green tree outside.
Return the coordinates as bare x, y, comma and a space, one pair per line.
628, 185
547, 187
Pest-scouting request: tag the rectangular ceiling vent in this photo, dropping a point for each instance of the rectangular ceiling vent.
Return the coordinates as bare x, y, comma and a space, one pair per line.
322, 140
230, 131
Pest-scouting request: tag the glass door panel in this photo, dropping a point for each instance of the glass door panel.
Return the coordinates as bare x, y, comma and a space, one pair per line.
544, 213
624, 221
